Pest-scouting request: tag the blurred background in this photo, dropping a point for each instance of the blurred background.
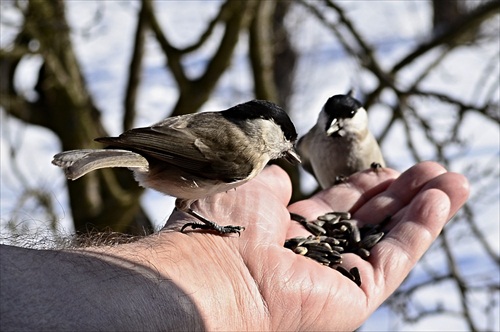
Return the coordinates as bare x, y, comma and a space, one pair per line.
428, 72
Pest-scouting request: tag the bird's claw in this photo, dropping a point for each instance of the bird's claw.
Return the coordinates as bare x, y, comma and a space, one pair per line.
217, 228
340, 179
375, 166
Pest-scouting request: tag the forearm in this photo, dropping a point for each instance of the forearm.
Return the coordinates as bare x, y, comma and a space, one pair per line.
81, 290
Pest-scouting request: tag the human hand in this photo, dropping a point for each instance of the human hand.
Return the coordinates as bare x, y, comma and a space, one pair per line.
253, 282
202, 281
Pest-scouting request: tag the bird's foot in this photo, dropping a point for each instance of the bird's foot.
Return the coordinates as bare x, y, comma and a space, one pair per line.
210, 225
340, 179
214, 227
375, 166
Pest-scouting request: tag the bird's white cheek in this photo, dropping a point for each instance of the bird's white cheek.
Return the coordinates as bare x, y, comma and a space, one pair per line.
360, 118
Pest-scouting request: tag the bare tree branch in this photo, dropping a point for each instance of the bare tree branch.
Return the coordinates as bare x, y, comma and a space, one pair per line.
453, 31
173, 54
261, 51
15, 103
135, 69
222, 16
193, 93
457, 278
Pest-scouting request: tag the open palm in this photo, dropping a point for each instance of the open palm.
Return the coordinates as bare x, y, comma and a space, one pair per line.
277, 289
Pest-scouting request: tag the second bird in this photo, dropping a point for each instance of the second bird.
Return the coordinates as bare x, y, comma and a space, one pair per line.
340, 143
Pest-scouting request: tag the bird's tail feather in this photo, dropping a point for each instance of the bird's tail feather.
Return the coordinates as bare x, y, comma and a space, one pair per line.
77, 163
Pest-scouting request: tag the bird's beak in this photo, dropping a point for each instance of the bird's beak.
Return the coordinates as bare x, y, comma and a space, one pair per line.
333, 128
292, 157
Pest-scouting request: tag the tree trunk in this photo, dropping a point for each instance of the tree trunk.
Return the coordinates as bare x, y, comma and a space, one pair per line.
102, 200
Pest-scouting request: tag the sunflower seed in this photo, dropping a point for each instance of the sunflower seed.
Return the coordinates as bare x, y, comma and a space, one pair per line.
310, 241
368, 229
356, 276
335, 216
326, 245
334, 255
294, 242
297, 217
315, 229
333, 234
344, 272
363, 253
338, 249
370, 241
319, 259
352, 229
318, 222
336, 232
317, 247
343, 243
330, 240
329, 217
343, 215
300, 250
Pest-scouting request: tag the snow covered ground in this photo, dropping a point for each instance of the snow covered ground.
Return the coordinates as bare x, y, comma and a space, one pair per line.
104, 51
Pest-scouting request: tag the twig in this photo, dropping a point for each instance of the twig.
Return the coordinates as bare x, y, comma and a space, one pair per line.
452, 32
462, 287
135, 69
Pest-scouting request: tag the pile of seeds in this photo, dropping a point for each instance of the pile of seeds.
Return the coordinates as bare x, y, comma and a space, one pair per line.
334, 234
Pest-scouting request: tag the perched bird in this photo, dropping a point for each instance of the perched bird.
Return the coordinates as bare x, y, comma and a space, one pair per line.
340, 142
196, 155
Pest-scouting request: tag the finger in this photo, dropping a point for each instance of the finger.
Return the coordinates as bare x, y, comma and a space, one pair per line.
274, 179
399, 193
455, 185
267, 197
420, 224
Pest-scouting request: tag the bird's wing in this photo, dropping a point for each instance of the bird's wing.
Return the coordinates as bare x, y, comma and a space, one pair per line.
188, 144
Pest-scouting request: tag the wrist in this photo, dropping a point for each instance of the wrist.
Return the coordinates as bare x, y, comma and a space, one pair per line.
206, 274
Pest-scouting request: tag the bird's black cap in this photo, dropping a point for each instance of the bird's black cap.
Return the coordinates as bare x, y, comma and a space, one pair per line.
341, 106
263, 109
